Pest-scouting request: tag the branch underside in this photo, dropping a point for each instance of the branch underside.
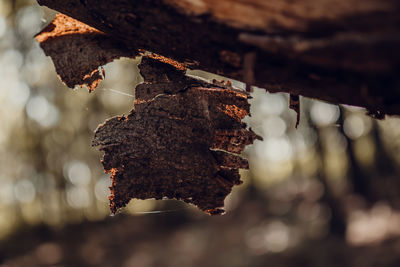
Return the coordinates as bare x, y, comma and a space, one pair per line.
329, 50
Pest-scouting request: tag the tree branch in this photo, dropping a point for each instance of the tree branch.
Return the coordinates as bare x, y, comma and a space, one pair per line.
333, 50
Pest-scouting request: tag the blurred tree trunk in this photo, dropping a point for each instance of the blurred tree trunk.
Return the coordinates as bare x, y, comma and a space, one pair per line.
338, 219
359, 179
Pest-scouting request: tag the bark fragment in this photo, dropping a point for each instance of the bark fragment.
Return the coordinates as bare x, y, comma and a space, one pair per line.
181, 141
78, 50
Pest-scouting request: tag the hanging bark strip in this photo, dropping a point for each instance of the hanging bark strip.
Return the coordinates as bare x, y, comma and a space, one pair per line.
181, 141
294, 104
330, 50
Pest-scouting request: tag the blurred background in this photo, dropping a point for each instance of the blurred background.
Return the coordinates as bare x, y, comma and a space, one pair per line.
326, 194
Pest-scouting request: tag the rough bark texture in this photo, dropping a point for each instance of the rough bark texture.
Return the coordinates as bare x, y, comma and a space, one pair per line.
336, 50
182, 141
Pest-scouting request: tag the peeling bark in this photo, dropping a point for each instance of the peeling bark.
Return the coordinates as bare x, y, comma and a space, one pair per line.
181, 141
333, 50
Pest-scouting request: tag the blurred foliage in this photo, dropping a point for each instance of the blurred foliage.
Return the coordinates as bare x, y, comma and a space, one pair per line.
337, 176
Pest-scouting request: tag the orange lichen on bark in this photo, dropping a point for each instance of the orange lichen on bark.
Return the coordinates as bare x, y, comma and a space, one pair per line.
233, 111
113, 172
63, 25
169, 61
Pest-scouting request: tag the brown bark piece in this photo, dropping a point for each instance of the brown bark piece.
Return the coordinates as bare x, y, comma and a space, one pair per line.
181, 141
334, 50
78, 50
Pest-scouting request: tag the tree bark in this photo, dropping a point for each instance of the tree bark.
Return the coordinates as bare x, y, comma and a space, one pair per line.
335, 50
